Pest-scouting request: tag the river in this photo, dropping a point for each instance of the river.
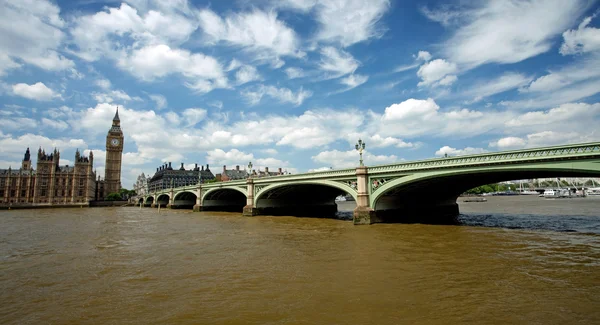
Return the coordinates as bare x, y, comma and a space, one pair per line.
512, 260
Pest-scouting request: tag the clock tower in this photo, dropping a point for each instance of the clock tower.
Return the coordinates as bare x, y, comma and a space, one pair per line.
114, 152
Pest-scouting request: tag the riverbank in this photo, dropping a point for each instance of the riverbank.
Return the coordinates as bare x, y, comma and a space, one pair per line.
532, 204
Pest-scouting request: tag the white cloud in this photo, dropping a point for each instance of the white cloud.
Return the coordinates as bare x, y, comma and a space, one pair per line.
350, 158
350, 21
160, 100
582, 40
246, 73
509, 31
55, 124
542, 139
113, 95
509, 143
337, 63
377, 141
193, 115
103, 83
436, 72
284, 95
353, 81
446, 150
414, 117
486, 88
106, 33
255, 31
37, 91
235, 157
294, 73
31, 32
155, 61
570, 112
423, 56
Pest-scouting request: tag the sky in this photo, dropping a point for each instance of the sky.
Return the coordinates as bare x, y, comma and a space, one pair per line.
295, 83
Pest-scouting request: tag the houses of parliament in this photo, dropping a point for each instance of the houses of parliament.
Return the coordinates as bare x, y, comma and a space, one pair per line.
51, 184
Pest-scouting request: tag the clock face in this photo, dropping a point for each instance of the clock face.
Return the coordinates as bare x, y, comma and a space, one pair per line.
114, 142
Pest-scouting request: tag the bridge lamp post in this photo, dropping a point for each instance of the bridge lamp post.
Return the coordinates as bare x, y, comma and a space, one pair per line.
360, 146
249, 169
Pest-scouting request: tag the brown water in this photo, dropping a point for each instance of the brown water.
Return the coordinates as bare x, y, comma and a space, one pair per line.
132, 266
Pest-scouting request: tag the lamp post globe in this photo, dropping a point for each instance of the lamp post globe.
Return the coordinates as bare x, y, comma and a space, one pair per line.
360, 146
249, 169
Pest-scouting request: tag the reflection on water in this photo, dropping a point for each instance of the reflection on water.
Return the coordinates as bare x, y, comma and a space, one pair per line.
132, 266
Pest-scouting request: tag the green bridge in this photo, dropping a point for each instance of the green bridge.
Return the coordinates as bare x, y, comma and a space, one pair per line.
421, 191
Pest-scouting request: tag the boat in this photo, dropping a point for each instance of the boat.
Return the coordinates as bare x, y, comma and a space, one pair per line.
475, 199
558, 193
526, 192
340, 198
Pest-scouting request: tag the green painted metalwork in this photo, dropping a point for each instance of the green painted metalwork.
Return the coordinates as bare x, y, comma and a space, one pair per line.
335, 184
383, 178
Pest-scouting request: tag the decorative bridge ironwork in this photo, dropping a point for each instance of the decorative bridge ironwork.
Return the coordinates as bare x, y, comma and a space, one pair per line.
375, 187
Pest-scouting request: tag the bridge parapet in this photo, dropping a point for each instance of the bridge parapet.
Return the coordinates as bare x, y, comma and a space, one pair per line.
591, 150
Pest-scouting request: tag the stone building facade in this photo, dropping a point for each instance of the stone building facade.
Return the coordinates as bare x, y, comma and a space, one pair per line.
167, 177
49, 183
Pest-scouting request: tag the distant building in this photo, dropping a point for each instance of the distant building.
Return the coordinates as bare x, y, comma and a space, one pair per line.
141, 185
49, 183
235, 174
167, 177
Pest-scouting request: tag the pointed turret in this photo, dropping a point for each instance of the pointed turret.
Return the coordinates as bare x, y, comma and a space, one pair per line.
27, 156
116, 118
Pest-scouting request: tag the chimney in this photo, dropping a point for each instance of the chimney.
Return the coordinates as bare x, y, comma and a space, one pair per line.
170, 165
279, 170
267, 170
207, 167
237, 168
202, 168
195, 166
224, 169
181, 167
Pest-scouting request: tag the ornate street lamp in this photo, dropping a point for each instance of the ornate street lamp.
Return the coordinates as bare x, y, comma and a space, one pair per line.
249, 169
360, 146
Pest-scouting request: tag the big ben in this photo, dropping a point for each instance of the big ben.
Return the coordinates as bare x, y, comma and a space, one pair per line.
114, 152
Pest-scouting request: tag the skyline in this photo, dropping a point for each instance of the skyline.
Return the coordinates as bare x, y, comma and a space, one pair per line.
294, 84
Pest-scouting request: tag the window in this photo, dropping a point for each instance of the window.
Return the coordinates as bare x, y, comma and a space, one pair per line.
23, 192
55, 192
43, 193
2, 182
12, 193
80, 192
1, 192
81, 181
44, 182
63, 192
13, 182
24, 182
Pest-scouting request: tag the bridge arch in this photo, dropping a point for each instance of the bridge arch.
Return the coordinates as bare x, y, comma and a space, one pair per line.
184, 200
149, 200
441, 188
301, 198
224, 199
163, 199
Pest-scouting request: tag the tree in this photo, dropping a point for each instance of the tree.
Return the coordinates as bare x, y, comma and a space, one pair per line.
114, 197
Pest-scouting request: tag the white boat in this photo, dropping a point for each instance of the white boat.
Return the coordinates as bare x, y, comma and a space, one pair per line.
593, 191
526, 192
559, 193
340, 198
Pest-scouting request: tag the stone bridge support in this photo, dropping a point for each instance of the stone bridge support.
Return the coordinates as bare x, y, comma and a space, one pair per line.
363, 213
171, 199
250, 210
198, 205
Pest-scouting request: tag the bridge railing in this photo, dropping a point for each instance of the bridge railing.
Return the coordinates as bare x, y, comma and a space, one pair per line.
513, 156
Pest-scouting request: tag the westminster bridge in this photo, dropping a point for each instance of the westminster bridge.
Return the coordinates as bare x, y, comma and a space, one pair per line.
424, 190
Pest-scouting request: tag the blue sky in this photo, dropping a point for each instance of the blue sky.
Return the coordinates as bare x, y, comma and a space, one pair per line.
295, 83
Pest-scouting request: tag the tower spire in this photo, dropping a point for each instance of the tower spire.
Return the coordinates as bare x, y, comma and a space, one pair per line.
116, 118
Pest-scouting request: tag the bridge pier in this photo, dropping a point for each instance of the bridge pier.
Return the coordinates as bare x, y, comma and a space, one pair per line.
363, 214
249, 210
198, 206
